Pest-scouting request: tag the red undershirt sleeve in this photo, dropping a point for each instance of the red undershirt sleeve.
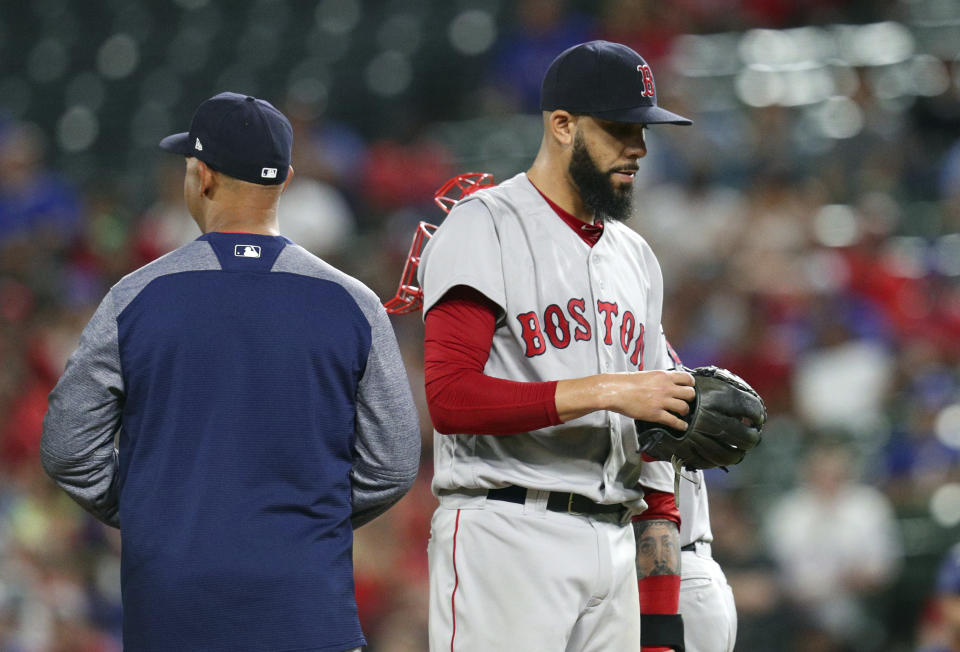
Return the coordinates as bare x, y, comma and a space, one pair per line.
660, 504
461, 398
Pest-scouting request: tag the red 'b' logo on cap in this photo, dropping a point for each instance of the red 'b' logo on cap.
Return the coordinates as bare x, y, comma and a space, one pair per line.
647, 81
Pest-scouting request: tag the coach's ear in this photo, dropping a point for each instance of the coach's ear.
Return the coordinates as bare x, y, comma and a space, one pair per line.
206, 179
561, 125
286, 181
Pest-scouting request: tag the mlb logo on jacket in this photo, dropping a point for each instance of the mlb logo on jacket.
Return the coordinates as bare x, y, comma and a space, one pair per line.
246, 251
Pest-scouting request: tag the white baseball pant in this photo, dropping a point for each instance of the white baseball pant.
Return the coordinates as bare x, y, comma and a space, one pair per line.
706, 603
518, 578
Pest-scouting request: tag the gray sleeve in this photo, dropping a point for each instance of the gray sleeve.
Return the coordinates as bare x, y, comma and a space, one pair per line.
83, 417
465, 250
387, 454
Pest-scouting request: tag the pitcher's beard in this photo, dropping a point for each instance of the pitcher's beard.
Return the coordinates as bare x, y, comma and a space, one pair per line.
596, 187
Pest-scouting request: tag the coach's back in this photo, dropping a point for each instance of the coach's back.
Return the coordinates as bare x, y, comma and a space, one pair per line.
260, 411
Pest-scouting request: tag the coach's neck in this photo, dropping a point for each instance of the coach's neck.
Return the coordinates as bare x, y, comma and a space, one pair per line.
219, 202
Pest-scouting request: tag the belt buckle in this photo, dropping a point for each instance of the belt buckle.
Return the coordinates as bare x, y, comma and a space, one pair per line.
570, 497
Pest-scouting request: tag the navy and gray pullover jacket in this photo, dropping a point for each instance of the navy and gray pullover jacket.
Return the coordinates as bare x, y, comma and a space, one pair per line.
235, 407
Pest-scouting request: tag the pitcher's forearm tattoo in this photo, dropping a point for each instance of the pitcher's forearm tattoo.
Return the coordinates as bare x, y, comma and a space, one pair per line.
658, 547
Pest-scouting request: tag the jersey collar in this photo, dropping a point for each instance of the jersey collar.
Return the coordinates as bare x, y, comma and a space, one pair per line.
589, 233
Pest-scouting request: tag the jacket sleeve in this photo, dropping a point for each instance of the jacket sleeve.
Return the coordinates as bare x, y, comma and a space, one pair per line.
83, 418
387, 448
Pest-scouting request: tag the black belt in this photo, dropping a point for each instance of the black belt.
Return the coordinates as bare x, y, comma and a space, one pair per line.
692, 547
556, 502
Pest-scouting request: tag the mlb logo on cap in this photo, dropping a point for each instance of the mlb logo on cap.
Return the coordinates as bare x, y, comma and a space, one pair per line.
240, 136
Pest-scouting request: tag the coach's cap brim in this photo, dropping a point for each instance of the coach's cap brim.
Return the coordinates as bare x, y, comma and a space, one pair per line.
178, 144
650, 115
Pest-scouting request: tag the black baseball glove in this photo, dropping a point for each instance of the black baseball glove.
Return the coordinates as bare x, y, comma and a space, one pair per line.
725, 420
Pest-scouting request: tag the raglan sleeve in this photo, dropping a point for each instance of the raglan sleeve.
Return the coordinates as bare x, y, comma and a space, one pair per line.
84, 416
465, 250
387, 442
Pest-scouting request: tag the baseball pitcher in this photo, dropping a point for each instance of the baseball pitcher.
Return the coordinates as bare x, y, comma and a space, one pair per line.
550, 387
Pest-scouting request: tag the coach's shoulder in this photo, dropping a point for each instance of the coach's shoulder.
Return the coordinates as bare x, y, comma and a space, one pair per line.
294, 259
193, 256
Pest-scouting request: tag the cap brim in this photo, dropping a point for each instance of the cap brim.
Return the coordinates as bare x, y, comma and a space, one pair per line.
650, 115
178, 144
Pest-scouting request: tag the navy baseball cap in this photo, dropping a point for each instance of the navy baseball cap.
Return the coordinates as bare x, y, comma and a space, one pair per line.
240, 136
605, 80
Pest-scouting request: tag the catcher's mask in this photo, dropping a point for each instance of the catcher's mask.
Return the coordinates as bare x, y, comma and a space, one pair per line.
409, 296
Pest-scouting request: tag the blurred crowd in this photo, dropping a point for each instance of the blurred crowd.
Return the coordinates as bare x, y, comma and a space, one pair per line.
826, 273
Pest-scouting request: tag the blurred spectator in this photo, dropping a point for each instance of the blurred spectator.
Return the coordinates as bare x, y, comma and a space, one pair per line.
316, 216
327, 150
542, 29
917, 460
20, 433
315, 213
34, 202
391, 580
942, 631
45, 605
166, 224
711, 218
837, 360
647, 26
405, 172
836, 543
762, 614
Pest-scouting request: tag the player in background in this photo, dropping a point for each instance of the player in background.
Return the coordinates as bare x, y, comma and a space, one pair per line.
706, 600
542, 345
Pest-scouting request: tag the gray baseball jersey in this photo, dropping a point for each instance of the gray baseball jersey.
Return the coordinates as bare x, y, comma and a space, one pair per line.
568, 310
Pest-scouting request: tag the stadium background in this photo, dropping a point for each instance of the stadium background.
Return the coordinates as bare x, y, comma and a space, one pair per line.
807, 225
